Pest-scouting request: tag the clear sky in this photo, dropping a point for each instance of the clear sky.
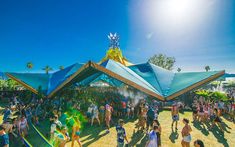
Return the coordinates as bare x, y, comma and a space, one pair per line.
63, 32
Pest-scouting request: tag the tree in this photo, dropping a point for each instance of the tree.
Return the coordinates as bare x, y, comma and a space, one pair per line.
47, 69
207, 68
61, 67
179, 69
29, 65
162, 61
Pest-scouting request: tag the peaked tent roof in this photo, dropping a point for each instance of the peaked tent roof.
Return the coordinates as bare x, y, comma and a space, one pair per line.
172, 84
148, 78
31, 81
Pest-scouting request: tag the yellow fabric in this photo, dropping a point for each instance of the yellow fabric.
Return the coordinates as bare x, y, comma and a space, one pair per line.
116, 55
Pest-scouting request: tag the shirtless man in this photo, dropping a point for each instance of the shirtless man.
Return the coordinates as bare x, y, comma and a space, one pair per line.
175, 115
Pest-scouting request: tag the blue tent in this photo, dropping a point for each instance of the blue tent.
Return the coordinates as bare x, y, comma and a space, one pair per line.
148, 78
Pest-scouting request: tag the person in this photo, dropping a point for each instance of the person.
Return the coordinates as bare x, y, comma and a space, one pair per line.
121, 134
23, 126
128, 110
158, 132
108, 113
4, 138
123, 103
186, 134
61, 137
102, 112
95, 114
217, 120
56, 124
153, 140
198, 143
175, 115
150, 118
89, 113
132, 113
194, 109
201, 113
76, 132
6, 114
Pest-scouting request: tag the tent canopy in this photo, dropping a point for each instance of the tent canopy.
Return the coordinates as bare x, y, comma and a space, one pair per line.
148, 78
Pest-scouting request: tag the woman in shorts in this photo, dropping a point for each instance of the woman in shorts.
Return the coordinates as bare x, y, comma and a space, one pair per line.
186, 134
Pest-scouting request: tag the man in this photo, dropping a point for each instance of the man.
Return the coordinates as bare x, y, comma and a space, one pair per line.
6, 114
175, 115
198, 143
56, 123
4, 138
150, 118
121, 134
95, 114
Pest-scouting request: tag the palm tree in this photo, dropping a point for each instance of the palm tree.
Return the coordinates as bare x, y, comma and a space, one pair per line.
47, 69
61, 67
207, 68
179, 69
29, 65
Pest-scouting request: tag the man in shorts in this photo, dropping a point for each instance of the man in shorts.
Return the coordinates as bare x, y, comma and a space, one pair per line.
175, 115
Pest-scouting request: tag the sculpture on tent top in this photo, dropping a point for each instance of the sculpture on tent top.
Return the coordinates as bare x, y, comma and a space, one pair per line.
114, 51
114, 40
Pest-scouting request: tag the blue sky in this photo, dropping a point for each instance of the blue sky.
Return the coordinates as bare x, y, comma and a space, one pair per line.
56, 32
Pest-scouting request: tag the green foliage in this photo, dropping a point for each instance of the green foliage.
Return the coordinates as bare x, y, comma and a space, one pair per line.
207, 68
47, 69
212, 95
8, 84
61, 67
29, 65
162, 61
179, 69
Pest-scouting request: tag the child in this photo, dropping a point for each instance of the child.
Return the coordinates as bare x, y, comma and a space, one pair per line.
121, 134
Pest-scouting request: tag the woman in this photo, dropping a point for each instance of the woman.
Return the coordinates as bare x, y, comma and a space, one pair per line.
153, 140
76, 132
186, 134
201, 113
61, 137
159, 131
108, 113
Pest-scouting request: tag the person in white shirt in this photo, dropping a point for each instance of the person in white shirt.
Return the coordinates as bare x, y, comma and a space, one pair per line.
56, 123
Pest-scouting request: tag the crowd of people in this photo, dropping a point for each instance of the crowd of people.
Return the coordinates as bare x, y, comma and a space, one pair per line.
211, 112
18, 116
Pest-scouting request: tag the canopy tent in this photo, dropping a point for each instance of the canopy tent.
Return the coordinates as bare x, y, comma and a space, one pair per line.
148, 78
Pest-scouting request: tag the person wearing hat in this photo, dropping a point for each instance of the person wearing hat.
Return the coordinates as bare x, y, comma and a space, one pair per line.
4, 138
121, 134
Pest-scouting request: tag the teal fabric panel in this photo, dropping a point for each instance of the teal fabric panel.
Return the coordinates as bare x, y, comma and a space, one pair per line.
59, 77
107, 79
184, 80
127, 73
146, 72
164, 78
34, 80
